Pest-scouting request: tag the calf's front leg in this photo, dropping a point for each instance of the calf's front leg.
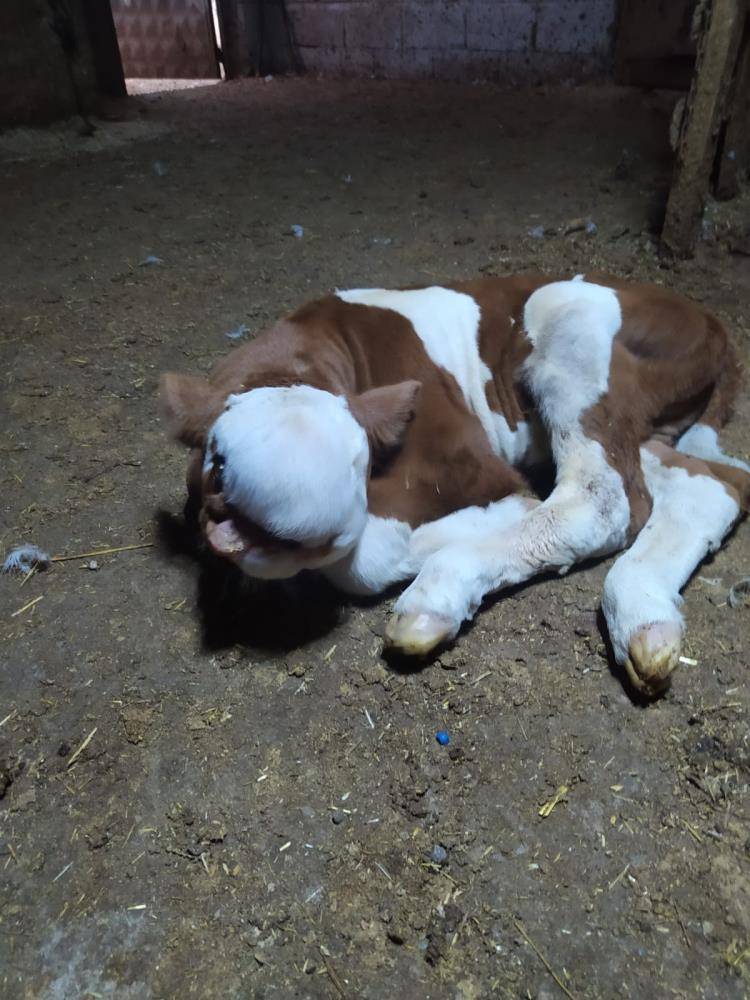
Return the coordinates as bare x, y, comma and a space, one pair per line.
379, 559
584, 517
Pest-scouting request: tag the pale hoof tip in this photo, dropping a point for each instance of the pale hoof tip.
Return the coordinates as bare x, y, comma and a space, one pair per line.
653, 654
417, 634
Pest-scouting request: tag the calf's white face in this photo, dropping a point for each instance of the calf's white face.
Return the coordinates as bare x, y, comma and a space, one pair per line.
285, 480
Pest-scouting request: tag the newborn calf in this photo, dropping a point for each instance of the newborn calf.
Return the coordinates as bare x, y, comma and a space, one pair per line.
382, 435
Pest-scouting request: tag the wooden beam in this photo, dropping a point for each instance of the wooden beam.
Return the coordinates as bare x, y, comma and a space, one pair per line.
734, 154
715, 70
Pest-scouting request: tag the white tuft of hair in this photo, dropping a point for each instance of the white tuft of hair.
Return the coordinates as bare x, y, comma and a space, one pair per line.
24, 558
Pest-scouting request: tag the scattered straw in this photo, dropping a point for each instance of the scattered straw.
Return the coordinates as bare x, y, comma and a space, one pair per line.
82, 747
333, 975
692, 831
559, 795
619, 878
103, 552
682, 925
27, 606
378, 865
735, 955
32, 572
543, 960
65, 869
7, 717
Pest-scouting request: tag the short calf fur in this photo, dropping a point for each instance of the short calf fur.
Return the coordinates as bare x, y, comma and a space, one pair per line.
382, 436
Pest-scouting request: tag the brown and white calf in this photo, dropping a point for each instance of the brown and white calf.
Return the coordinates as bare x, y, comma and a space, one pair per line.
381, 435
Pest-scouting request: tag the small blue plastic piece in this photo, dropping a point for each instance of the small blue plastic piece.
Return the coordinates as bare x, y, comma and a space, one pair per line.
442, 737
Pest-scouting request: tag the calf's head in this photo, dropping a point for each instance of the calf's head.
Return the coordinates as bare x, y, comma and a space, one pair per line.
284, 470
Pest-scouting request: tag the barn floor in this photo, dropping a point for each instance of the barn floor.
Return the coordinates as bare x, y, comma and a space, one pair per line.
259, 796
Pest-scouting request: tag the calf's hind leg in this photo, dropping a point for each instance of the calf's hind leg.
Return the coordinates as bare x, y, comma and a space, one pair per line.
695, 504
702, 441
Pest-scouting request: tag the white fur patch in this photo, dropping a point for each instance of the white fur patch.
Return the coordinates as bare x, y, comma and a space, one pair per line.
379, 559
702, 441
447, 323
571, 325
471, 524
690, 517
295, 463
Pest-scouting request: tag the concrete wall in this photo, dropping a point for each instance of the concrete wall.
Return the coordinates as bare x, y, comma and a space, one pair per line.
510, 40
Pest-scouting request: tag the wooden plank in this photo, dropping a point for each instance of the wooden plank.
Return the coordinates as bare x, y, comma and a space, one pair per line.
734, 154
717, 58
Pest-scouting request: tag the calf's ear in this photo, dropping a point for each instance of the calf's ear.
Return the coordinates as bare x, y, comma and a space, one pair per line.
189, 405
385, 412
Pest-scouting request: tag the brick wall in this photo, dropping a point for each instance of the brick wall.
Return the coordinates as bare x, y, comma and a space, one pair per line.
509, 40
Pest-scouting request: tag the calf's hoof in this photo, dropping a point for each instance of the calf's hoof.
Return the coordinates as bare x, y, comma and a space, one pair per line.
417, 634
653, 653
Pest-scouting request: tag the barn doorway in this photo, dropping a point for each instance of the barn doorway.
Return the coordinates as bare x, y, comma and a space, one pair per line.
168, 44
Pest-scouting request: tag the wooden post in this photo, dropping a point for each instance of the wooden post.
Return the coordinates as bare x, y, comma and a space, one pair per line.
238, 26
735, 151
717, 61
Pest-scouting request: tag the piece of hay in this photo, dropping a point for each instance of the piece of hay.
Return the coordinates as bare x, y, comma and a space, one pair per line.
26, 558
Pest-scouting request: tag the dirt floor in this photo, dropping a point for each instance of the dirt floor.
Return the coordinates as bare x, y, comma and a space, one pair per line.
260, 808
